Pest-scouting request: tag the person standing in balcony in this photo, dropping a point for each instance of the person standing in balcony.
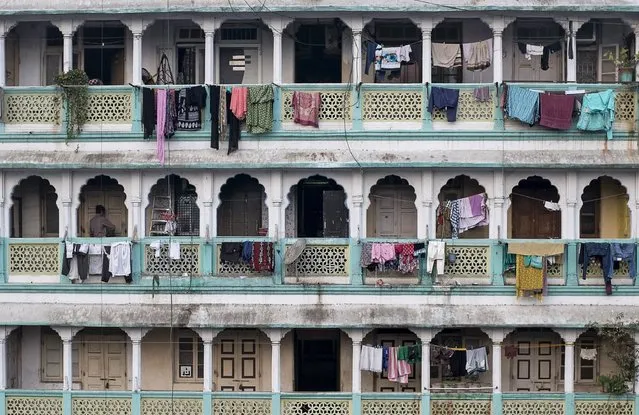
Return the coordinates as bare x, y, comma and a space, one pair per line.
100, 225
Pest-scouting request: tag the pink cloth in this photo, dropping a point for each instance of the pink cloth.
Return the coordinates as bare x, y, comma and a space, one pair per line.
473, 212
239, 98
381, 253
306, 107
403, 370
398, 371
160, 123
407, 261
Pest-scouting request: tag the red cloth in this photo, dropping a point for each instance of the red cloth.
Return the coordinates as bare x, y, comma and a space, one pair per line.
556, 111
262, 259
306, 107
239, 98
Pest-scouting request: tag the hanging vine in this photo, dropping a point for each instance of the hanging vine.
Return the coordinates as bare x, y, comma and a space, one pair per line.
74, 91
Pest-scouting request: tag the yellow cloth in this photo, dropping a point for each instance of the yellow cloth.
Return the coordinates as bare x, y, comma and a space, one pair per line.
529, 280
535, 248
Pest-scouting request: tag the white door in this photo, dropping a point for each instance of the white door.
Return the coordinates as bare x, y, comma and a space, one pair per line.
393, 212
105, 362
238, 368
533, 369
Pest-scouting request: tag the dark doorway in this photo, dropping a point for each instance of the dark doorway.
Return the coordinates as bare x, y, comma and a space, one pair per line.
530, 218
321, 209
317, 360
318, 53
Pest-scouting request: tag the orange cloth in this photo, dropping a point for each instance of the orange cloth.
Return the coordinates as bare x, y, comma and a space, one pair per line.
239, 99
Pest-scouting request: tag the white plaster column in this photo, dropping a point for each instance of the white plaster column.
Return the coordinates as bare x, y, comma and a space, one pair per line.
635, 29
570, 226
569, 337
66, 334
497, 336
5, 27
136, 334
498, 25
426, 25
277, 25
425, 336
5, 331
275, 222
571, 64
4, 214
207, 335
357, 25
426, 221
496, 226
634, 209
357, 222
275, 335
209, 26
356, 335
68, 28
137, 28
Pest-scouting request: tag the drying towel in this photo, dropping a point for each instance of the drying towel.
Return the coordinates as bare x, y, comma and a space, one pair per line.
306, 107
598, 112
529, 280
446, 55
239, 95
482, 94
231, 252
259, 117
160, 124
556, 111
535, 248
478, 55
523, 104
447, 98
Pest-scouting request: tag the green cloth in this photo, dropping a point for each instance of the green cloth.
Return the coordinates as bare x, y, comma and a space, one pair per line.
259, 115
598, 112
411, 354
402, 353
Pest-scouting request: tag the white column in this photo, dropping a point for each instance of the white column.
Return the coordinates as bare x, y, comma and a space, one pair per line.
276, 336
358, 215
209, 53
275, 225
427, 58
356, 336
569, 337
3, 70
67, 51
571, 64
66, 334
426, 221
357, 25
498, 65
5, 331
137, 58
277, 56
497, 337
425, 336
207, 335
136, 335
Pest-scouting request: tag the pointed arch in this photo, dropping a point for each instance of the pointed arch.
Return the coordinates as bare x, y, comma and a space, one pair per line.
34, 211
173, 196
242, 210
529, 216
392, 211
102, 191
604, 212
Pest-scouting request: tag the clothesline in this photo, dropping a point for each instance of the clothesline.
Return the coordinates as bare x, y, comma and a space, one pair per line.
585, 201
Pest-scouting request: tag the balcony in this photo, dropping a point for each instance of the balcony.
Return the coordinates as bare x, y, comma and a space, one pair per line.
114, 113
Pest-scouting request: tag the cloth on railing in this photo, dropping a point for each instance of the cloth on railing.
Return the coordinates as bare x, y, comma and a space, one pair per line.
259, 117
478, 55
602, 252
171, 113
473, 212
446, 55
530, 280
191, 101
556, 111
214, 110
306, 108
435, 257
382, 252
148, 112
523, 104
174, 250
239, 101
262, 258
247, 251
482, 94
231, 252
75, 265
120, 259
625, 252
407, 259
535, 248
444, 98
598, 112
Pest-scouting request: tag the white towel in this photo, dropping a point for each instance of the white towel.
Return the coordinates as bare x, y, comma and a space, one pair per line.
534, 50
120, 259
174, 250
376, 363
588, 354
156, 246
365, 358
552, 206
446, 55
478, 55
69, 248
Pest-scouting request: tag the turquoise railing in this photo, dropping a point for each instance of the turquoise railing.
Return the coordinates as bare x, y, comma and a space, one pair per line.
115, 113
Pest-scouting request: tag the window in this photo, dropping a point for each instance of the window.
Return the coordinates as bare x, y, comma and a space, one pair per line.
51, 357
585, 370
190, 357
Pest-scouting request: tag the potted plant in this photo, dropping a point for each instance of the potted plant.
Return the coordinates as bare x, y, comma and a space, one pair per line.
625, 63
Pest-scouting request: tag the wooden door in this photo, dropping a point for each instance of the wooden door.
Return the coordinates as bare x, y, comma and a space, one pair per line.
382, 384
394, 213
105, 362
117, 68
530, 219
238, 367
533, 369
14, 360
335, 214
241, 215
113, 200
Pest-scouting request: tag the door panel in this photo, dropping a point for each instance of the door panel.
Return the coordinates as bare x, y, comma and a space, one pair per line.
335, 214
105, 362
238, 355
113, 200
382, 384
533, 369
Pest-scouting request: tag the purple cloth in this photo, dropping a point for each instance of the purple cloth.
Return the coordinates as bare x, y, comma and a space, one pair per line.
476, 204
556, 111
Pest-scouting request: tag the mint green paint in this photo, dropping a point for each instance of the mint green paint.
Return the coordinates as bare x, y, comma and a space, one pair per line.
207, 403
207, 122
356, 95
425, 407
279, 266
636, 405
569, 406
425, 278
137, 251
276, 404
277, 109
497, 405
136, 111
356, 271
497, 255
427, 119
3, 402
549, 396
570, 265
356, 404
4, 260
136, 403
498, 113
67, 403
207, 266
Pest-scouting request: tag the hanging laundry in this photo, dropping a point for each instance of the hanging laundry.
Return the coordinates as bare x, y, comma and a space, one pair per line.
453, 208
536, 248
120, 259
378, 360
534, 50
529, 279
239, 101
444, 98
476, 361
306, 108
446, 55
366, 257
478, 55
473, 212
382, 252
385, 354
214, 111
552, 206
174, 250
95, 259
75, 264
262, 258
482, 94
149, 116
523, 104
588, 354
556, 111
545, 57
458, 364
191, 102
247, 251
407, 261
160, 124
388, 58
259, 117
366, 358
602, 251
435, 257
398, 371
371, 47
598, 112
156, 246
510, 351
233, 125
231, 252
171, 113
626, 252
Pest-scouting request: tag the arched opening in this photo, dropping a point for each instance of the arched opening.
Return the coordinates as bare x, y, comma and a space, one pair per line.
392, 212
317, 209
172, 208
34, 212
605, 212
538, 55
534, 213
242, 210
470, 198
106, 192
